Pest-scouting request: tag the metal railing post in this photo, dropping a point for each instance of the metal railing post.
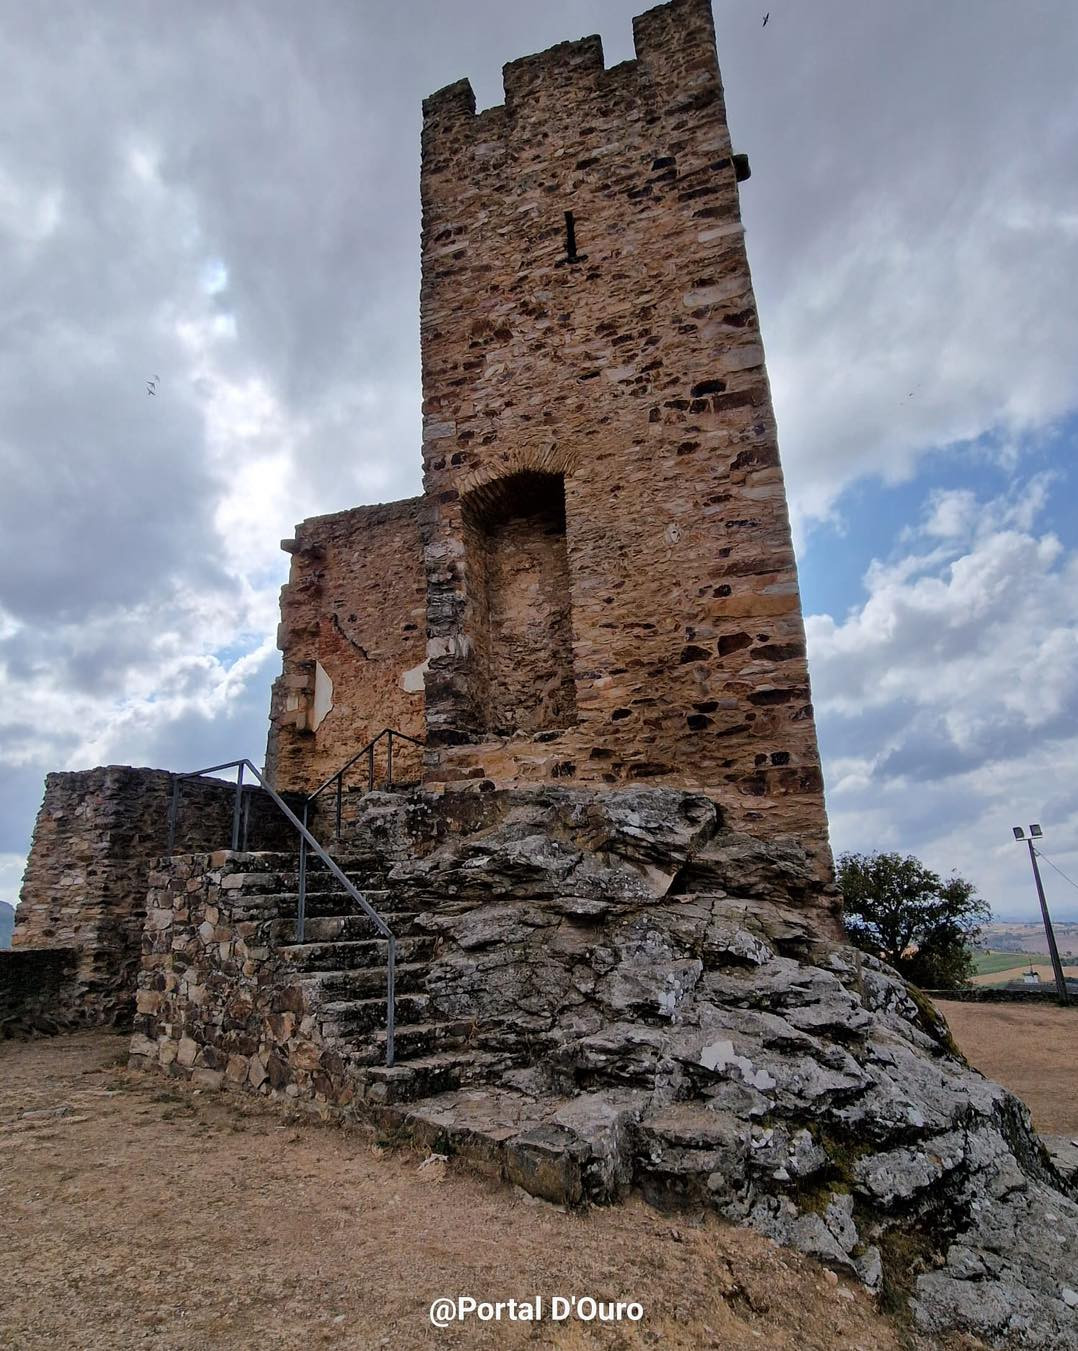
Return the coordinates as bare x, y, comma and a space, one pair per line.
370, 767
246, 819
340, 793
236, 809
389, 760
301, 902
391, 1002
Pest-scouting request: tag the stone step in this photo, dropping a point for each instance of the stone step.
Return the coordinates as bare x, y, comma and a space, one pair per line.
285, 880
347, 1017
412, 1041
564, 1150
325, 901
417, 1078
365, 982
351, 954
334, 928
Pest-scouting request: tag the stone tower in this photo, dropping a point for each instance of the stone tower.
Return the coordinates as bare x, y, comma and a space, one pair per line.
610, 588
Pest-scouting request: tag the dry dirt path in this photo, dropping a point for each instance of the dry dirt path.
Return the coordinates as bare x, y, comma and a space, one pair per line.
1031, 1050
137, 1213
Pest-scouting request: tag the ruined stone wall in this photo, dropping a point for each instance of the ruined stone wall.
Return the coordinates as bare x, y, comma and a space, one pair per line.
352, 634
39, 991
636, 372
85, 883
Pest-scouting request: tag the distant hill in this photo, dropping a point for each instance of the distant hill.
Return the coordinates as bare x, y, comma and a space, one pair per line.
1027, 936
7, 924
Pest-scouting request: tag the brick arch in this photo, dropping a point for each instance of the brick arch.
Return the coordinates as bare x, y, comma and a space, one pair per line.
550, 459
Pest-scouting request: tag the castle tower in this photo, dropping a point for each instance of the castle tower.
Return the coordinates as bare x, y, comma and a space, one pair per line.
611, 587
597, 585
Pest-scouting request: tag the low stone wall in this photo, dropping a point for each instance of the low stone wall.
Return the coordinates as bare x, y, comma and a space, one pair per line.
96, 835
216, 1002
1043, 994
39, 991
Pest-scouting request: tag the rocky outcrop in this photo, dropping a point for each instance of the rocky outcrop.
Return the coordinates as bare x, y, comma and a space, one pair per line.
669, 1016
605, 991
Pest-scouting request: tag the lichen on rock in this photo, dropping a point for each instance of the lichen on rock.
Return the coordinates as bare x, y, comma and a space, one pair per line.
784, 1079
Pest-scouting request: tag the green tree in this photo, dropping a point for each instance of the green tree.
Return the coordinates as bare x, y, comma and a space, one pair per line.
921, 924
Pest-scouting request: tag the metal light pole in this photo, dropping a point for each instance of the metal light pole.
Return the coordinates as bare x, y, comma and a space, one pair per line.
1035, 833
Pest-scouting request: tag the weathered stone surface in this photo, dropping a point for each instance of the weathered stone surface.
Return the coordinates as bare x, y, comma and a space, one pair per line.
39, 991
1063, 1151
229, 1008
354, 607
575, 1021
95, 841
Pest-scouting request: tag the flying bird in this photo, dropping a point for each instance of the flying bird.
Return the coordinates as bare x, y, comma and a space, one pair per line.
151, 385
766, 17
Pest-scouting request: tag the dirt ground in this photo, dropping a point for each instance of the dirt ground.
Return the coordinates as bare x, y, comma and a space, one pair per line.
137, 1212
1031, 1050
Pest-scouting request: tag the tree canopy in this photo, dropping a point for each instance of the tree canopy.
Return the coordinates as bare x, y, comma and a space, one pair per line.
920, 923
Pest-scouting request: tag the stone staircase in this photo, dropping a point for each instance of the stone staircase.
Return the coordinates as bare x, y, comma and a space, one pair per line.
341, 967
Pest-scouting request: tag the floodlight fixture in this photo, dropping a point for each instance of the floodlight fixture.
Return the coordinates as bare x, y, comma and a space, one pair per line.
1035, 833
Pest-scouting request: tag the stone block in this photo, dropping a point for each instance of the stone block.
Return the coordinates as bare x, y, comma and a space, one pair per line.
187, 1052
206, 1078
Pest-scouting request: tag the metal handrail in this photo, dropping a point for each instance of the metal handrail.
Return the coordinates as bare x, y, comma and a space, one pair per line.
307, 841
337, 777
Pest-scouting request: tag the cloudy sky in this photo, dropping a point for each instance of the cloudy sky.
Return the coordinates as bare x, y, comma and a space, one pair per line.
226, 197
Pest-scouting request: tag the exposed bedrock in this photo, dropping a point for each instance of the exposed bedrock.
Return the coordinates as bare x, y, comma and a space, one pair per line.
663, 1004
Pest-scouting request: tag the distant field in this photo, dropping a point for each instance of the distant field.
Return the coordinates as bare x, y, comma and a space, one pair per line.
997, 968
988, 963
1011, 938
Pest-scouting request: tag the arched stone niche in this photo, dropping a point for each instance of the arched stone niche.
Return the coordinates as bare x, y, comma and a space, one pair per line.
520, 612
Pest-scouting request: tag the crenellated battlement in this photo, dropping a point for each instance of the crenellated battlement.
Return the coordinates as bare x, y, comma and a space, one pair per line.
676, 42
553, 74
675, 62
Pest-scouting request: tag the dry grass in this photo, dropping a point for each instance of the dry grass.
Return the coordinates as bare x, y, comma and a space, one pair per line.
1030, 1049
139, 1213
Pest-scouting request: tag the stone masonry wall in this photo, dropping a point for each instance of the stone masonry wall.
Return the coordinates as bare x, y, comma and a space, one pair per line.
38, 991
522, 655
354, 606
85, 881
637, 373
216, 1002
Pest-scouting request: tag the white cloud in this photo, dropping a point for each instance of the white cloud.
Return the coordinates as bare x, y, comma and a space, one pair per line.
948, 700
926, 157
240, 215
